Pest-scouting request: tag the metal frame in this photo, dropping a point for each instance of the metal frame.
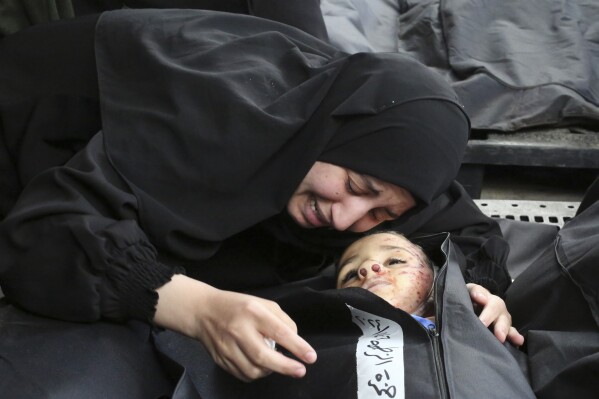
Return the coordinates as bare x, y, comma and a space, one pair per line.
572, 148
549, 212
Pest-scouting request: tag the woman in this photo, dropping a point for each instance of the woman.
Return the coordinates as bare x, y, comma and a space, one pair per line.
220, 132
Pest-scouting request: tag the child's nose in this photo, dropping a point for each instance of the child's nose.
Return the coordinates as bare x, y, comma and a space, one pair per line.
375, 267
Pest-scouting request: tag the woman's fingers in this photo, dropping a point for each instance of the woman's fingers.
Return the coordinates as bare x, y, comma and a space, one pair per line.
263, 357
236, 362
234, 331
283, 331
481, 300
494, 313
501, 326
276, 325
232, 327
514, 337
284, 317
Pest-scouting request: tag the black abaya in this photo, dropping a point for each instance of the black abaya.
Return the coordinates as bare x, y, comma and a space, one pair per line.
243, 109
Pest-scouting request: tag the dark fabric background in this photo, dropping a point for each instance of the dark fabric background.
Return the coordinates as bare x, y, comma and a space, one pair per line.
514, 64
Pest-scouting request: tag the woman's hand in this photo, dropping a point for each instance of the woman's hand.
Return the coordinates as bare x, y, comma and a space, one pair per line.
494, 313
232, 327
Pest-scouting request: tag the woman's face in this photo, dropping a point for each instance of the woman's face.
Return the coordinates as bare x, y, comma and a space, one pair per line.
391, 267
336, 197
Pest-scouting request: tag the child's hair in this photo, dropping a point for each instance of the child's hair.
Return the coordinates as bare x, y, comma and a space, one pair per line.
426, 258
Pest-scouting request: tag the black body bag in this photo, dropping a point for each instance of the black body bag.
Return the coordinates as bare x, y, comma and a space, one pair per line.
369, 349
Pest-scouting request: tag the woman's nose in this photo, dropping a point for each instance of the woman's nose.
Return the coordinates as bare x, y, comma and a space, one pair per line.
352, 215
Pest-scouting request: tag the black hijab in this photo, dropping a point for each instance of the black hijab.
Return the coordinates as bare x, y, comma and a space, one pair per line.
214, 119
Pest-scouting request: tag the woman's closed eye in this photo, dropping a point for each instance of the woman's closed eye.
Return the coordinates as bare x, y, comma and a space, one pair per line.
353, 188
358, 187
382, 215
396, 261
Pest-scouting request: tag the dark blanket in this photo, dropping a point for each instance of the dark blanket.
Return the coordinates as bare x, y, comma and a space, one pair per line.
366, 347
16, 15
514, 64
554, 302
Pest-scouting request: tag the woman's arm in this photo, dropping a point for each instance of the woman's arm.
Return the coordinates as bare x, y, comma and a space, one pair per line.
73, 249
232, 327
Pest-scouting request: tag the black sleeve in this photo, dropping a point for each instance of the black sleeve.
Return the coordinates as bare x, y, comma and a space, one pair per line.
488, 266
48, 100
72, 247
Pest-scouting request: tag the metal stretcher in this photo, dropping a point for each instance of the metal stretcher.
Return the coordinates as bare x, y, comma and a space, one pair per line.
549, 212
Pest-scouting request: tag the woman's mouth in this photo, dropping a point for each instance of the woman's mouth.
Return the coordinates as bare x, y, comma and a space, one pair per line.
314, 215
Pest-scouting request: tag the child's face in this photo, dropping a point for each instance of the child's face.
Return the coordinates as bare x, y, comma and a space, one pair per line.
391, 267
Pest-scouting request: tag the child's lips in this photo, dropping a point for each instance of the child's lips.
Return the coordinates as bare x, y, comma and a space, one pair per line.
372, 284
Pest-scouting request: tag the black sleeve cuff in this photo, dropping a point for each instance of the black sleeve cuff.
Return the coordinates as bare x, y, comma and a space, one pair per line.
135, 275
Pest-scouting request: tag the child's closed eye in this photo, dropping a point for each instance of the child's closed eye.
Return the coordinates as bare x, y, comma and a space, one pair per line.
352, 274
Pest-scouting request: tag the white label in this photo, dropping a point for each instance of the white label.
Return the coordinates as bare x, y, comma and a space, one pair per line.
379, 357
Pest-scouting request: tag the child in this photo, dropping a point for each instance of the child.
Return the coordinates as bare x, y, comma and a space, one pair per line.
399, 271
390, 266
